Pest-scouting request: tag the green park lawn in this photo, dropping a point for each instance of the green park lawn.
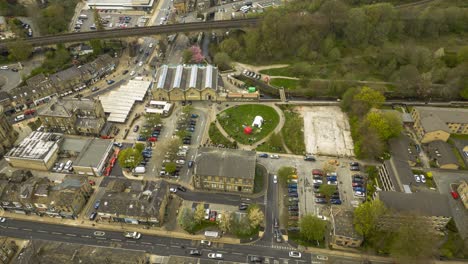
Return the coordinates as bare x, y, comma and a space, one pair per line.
233, 119
286, 83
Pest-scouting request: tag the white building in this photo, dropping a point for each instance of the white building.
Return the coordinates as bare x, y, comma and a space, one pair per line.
159, 107
258, 121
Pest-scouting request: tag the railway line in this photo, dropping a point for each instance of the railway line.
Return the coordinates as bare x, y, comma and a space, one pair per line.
139, 31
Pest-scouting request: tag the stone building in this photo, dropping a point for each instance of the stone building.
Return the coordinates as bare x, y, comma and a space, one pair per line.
186, 83
343, 232
434, 123
8, 135
73, 116
225, 170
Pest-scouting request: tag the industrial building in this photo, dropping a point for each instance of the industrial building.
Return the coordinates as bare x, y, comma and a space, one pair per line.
92, 155
186, 83
38, 151
119, 103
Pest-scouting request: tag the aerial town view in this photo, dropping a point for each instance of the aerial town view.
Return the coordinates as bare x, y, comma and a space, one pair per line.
233, 131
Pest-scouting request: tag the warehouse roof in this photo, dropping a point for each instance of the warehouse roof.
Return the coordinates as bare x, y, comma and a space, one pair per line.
38, 145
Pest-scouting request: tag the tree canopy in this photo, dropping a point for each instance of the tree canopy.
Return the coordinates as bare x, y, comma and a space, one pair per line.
312, 228
366, 217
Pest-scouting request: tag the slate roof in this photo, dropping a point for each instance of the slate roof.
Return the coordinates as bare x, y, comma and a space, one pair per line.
230, 163
423, 203
436, 118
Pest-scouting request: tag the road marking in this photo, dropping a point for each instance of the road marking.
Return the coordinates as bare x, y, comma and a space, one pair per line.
11, 227
102, 238
161, 245
146, 243
27, 229
175, 246
86, 236
115, 239
73, 235
56, 233
131, 241
42, 231
236, 253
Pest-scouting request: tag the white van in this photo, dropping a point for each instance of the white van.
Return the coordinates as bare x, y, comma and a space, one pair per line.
139, 170
19, 118
245, 9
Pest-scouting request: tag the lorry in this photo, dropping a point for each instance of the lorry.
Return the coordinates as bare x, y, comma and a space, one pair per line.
131, 234
82, 16
212, 234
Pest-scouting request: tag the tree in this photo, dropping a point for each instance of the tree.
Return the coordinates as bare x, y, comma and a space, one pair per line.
284, 173
170, 167
19, 50
225, 222
369, 97
414, 242
357, 28
130, 158
96, 44
327, 190
370, 146
197, 55
232, 47
223, 61
139, 147
152, 119
386, 124
328, 168
199, 214
366, 217
186, 220
187, 56
312, 228
255, 215
275, 141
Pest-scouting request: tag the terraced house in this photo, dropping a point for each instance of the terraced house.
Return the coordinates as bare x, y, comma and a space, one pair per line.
186, 83
7, 134
73, 116
25, 194
224, 170
434, 123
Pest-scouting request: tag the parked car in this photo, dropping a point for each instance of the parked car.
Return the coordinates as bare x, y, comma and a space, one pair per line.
293, 194
320, 200
309, 158
181, 188
335, 201
109, 82
97, 204
423, 178
263, 155
92, 216
354, 168
173, 190
319, 195
243, 206
274, 156
317, 172
135, 129
416, 178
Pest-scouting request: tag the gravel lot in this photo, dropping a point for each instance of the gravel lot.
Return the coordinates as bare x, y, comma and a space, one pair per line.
327, 131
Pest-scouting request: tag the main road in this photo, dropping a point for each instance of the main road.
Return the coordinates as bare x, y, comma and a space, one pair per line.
159, 245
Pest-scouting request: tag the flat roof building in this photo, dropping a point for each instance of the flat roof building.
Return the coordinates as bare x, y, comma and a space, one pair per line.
343, 232
229, 170
37, 151
93, 157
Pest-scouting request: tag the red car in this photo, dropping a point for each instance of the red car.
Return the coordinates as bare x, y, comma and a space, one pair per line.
317, 172
454, 195
153, 139
91, 182
30, 112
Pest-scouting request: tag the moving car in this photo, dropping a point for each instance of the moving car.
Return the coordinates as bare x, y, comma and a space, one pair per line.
255, 259
205, 242
99, 233
195, 252
243, 206
275, 179
2, 219
133, 235
215, 256
295, 254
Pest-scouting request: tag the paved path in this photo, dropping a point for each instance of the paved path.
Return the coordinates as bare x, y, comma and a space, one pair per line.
259, 68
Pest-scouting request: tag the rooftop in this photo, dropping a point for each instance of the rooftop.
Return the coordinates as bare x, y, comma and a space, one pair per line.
92, 152
435, 118
423, 203
38, 145
343, 224
66, 107
136, 200
225, 162
186, 76
400, 173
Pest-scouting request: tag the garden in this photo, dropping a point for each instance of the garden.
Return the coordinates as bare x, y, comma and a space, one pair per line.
238, 121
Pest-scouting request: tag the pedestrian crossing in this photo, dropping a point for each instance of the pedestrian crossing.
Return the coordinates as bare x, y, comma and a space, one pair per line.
274, 246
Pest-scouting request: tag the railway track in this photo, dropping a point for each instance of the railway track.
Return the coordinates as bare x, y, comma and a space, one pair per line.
140, 31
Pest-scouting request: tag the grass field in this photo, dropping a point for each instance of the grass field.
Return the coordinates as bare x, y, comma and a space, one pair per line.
216, 137
286, 83
235, 118
293, 131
